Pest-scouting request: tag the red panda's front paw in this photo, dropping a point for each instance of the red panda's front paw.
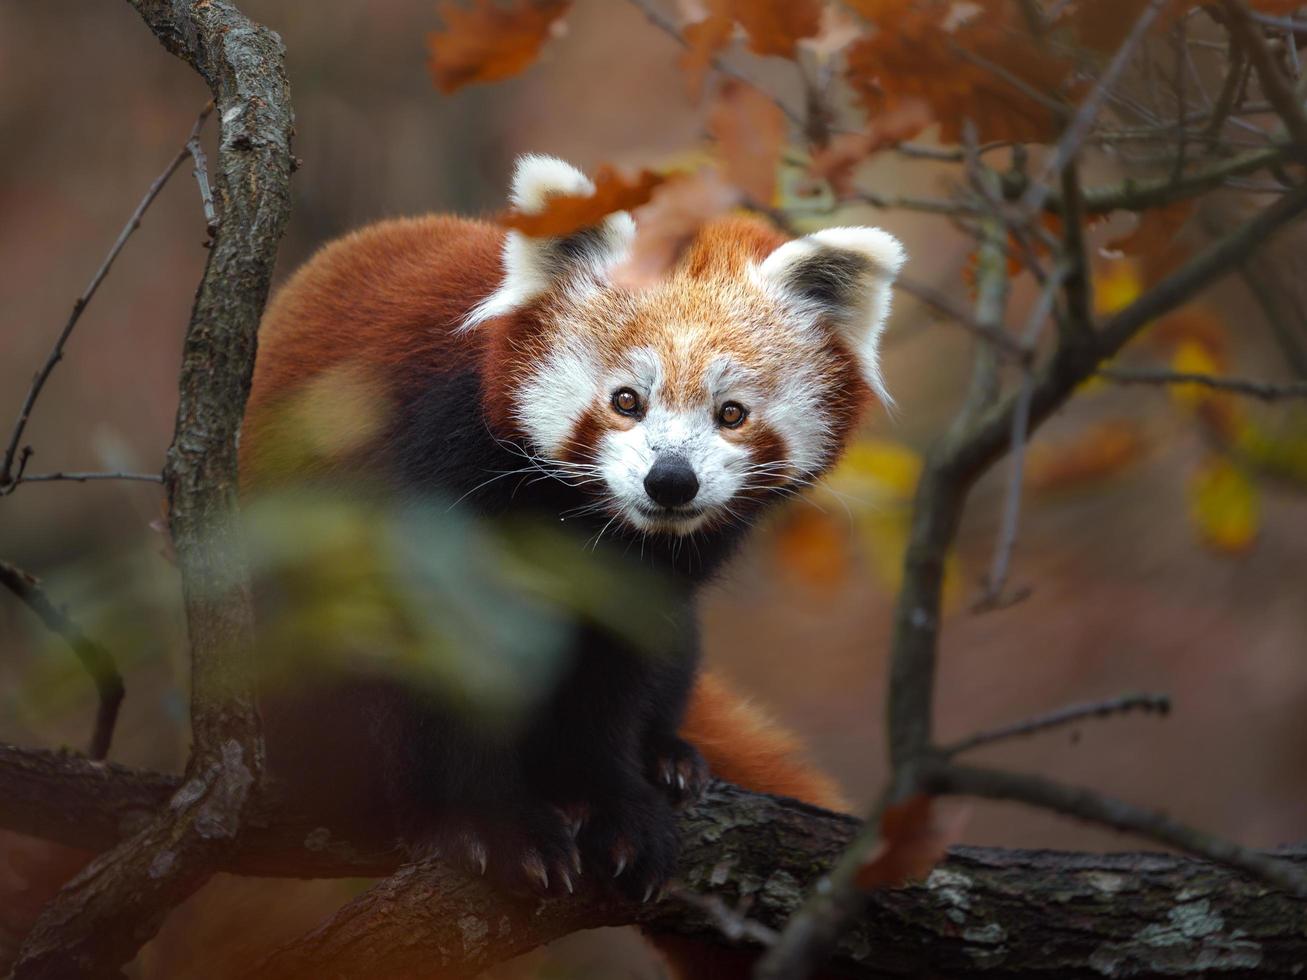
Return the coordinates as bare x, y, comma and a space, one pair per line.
678, 770
523, 846
632, 842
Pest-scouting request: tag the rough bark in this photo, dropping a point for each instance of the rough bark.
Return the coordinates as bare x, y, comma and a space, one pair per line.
983, 912
116, 903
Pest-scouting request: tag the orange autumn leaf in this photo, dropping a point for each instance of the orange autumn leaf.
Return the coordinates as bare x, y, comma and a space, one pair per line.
667, 225
488, 42
1105, 449
1156, 240
1102, 25
773, 27
750, 132
837, 161
703, 40
567, 213
922, 49
912, 841
813, 549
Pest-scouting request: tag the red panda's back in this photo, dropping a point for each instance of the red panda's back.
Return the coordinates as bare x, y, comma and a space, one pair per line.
375, 312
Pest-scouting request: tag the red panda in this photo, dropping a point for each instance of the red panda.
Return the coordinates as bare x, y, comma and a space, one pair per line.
666, 419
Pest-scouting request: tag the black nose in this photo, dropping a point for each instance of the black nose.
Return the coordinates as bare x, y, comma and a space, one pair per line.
671, 482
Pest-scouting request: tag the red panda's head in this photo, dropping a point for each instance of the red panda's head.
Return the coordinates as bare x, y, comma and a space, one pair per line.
694, 401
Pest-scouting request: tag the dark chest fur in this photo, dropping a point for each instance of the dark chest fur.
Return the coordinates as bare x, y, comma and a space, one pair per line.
371, 754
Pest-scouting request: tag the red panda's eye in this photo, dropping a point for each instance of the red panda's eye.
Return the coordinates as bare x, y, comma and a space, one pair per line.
626, 402
732, 415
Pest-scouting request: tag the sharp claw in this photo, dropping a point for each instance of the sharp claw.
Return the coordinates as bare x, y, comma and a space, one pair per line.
680, 781
476, 852
621, 866
576, 863
567, 882
648, 893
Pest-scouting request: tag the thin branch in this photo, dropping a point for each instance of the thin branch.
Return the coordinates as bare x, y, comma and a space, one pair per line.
1141, 193
907, 202
201, 171
57, 352
1074, 801
87, 477
95, 659
1147, 703
949, 310
1265, 390
993, 597
1083, 120
99, 920
669, 27
1277, 89
1078, 324
1042, 99
732, 923
1235, 78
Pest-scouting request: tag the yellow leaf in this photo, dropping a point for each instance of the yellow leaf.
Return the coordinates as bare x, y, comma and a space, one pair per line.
876, 471
1281, 451
1116, 287
1224, 505
1191, 357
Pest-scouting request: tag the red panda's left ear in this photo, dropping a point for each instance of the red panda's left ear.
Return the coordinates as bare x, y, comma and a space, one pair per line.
842, 276
534, 266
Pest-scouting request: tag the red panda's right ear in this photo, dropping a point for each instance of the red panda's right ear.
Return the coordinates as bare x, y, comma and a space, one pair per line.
534, 266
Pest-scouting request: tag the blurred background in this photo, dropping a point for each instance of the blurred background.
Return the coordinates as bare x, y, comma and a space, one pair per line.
1127, 590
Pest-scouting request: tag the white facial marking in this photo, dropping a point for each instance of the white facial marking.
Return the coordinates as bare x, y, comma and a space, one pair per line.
689, 431
557, 394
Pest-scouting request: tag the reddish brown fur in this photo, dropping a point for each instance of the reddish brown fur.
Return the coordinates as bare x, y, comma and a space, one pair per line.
387, 299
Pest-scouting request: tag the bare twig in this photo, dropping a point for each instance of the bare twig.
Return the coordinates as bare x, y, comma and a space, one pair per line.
1085, 804
196, 150
993, 597
732, 923
1235, 77
669, 27
87, 477
1265, 390
1277, 89
1076, 131
1147, 703
1077, 326
96, 660
57, 352
943, 305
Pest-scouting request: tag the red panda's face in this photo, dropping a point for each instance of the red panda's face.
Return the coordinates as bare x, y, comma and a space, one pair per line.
694, 402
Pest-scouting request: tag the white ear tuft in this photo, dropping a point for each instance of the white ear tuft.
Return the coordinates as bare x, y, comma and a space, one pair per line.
842, 276
534, 266
536, 178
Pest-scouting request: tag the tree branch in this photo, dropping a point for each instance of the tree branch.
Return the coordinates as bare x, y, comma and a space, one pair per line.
96, 660
1158, 703
8, 478
1277, 89
1265, 390
983, 912
117, 902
